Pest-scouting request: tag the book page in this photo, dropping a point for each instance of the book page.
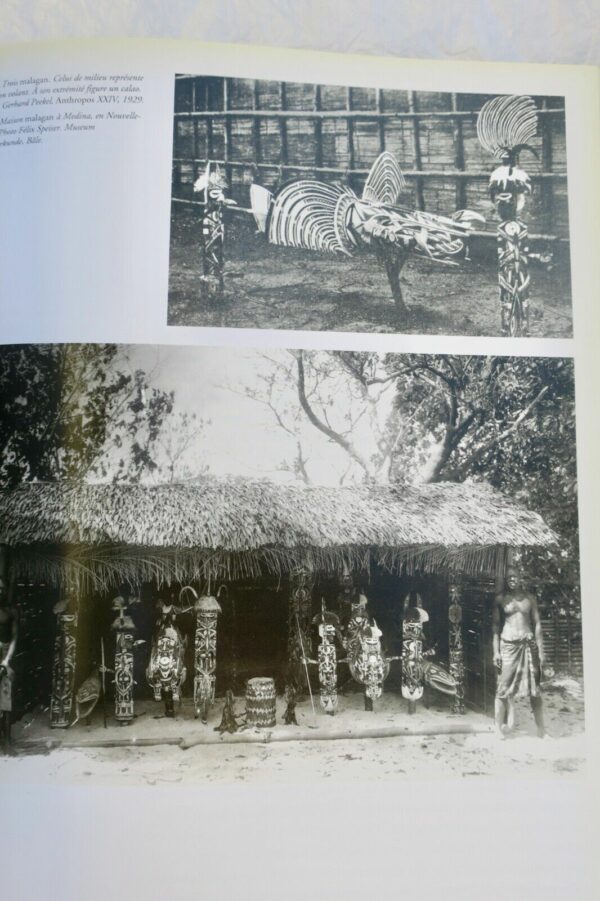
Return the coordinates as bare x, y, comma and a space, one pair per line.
297, 473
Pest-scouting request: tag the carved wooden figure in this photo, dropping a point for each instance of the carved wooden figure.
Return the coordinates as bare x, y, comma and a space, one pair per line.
211, 186
367, 663
166, 670
412, 653
124, 636
63, 668
329, 629
457, 665
505, 126
299, 619
205, 654
331, 218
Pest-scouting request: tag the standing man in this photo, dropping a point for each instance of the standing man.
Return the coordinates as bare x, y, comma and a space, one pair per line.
8, 643
518, 653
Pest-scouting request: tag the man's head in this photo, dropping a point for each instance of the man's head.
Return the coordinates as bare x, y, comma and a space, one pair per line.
513, 578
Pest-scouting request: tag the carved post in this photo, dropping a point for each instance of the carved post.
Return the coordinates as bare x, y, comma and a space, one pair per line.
457, 665
329, 628
211, 186
205, 654
505, 126
299, 616
63, 669
367, 664
124, 633
513, 275
412, 653
213, 235
166, 670
327, 662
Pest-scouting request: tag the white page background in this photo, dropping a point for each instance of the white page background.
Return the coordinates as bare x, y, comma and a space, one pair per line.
461, 839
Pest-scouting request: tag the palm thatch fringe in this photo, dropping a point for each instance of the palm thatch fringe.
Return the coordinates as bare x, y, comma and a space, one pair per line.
230, 529
106, 568
97, 571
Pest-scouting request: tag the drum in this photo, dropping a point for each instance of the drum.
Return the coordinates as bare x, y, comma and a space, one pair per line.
260, 702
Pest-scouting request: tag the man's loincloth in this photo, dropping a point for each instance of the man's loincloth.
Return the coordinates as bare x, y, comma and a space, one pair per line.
520, 674
5, 684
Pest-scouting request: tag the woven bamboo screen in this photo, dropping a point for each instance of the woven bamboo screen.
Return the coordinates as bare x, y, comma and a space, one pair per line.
270, 132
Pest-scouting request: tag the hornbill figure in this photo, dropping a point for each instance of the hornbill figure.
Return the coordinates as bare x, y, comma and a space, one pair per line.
331, 218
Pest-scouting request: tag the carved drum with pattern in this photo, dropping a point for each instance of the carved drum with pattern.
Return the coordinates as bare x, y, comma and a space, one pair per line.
260, 702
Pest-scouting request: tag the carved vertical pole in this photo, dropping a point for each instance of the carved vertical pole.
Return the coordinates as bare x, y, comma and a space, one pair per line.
513, 277
205, 654
412, 656
299, 618
65, 651
505, 126
457, 664
212, 233
124, 633
327, 662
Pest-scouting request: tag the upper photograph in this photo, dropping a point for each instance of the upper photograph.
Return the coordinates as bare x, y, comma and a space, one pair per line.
351, 209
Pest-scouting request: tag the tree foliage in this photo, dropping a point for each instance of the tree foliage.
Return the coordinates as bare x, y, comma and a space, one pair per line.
76, 411
510, 421
408, 418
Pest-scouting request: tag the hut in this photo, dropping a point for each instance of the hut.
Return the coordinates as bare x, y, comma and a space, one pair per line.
270, 551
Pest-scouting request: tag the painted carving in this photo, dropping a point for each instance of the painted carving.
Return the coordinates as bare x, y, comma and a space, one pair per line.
329, 630
412, 653
505, 127
124, 629
299, 618
457, 666
367, 664
63, 670
207, 610
331, 218
166, 670
211, 187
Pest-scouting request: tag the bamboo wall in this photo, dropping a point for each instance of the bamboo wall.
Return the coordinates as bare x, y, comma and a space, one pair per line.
563, 644
270, 132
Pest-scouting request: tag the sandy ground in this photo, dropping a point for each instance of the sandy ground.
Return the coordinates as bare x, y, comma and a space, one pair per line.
285, 288
477, 753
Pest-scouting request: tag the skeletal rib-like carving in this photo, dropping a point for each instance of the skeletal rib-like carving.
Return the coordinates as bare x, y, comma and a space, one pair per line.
303, 216
385, 181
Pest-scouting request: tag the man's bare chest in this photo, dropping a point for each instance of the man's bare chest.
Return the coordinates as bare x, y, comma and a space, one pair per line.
516, 604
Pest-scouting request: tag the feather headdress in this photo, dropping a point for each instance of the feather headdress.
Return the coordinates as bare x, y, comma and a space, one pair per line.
507, 124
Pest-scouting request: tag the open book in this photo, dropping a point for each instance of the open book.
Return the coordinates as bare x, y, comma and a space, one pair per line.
289, 447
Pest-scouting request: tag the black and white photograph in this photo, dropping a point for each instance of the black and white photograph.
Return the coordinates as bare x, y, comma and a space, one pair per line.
298, 453
316, 207
233, 565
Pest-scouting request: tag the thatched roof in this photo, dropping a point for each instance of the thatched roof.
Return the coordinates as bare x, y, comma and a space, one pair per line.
238, 527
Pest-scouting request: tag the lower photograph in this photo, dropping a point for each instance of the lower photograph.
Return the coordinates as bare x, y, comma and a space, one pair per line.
224, 565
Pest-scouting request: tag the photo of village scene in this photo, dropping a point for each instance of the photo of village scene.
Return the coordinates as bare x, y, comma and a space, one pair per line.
234, 565
359, 209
